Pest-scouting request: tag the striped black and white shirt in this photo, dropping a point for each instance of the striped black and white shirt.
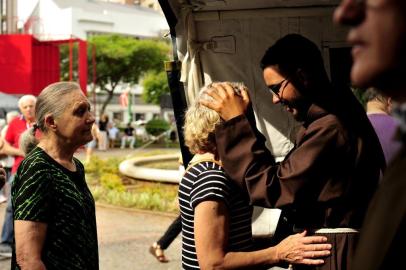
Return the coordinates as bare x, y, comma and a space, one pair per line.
207, 181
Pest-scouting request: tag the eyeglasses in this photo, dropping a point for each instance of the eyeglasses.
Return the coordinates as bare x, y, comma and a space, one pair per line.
275, 89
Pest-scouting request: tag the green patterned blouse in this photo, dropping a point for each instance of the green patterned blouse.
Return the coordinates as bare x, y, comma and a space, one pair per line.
45, 191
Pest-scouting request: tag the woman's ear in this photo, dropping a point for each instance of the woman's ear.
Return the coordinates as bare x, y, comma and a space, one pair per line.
50, 122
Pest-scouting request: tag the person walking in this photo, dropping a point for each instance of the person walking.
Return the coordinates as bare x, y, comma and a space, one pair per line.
379, 109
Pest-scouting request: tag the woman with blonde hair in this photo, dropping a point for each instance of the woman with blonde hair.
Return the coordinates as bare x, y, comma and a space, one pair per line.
54, 211
216, 215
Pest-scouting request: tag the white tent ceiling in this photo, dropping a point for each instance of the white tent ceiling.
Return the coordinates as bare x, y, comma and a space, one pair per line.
224, 40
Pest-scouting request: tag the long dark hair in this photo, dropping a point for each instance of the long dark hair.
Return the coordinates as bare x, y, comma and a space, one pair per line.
299, 59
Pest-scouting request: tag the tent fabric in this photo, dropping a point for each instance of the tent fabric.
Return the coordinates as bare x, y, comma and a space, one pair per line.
225, 40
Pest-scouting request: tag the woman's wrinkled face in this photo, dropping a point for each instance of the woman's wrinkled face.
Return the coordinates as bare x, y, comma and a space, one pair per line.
75, 124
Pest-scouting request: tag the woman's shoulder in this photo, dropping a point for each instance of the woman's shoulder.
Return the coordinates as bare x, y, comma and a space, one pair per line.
205, 166
34, 159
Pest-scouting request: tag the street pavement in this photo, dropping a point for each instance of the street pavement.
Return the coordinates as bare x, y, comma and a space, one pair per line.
124, 239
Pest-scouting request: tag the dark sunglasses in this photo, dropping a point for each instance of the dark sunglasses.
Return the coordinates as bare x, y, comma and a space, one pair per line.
275, 89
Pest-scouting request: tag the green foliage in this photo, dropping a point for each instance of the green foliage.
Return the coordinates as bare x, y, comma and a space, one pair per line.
156, 127
94, 165
155, 85
119, 59
359, 94
141, 200
107, 186
98, 166
111, 182
64, 63
125, 59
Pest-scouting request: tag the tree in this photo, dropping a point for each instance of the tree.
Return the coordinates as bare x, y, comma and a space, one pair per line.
124, 60
155, 85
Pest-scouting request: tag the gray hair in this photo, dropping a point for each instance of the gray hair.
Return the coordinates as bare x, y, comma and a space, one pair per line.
51, 101
25, 98
27, 140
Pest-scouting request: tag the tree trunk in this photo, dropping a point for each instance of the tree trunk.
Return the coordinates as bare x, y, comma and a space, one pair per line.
107, 101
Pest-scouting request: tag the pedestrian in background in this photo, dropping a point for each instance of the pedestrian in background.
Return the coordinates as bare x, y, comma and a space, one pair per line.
16, 127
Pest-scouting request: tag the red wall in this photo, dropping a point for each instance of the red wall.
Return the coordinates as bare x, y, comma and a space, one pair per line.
27, 65
15, 63
45, 66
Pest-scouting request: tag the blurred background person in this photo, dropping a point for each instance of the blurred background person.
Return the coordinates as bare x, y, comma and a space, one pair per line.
54, 211
113, 134
103, 138
128, 137
379, 108
8, 160
18, 125
90, 146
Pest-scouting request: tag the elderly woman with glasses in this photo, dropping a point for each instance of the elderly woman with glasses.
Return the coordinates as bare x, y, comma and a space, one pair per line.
325, 183
54, 211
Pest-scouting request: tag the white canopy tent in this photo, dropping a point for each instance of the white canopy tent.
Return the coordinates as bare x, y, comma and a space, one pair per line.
224, 40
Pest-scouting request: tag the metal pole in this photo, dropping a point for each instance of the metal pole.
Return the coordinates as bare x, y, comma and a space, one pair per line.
94, 79
70, 59
172, 69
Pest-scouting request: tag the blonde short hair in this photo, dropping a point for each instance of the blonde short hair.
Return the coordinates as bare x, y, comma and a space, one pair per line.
201, 122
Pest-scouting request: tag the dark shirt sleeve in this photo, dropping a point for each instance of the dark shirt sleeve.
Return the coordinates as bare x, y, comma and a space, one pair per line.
250, 164
31, 194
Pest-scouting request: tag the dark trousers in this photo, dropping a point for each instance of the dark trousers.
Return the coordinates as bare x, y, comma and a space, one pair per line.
171, 233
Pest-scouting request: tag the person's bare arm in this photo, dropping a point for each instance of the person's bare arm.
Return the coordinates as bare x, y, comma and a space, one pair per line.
7, 149
29, 240
211, 238
226, 102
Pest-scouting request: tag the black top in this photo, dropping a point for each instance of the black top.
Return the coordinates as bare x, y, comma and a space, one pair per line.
128, 131
45, 191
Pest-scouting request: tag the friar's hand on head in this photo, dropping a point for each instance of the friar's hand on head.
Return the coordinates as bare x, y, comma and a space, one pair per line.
227, 102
